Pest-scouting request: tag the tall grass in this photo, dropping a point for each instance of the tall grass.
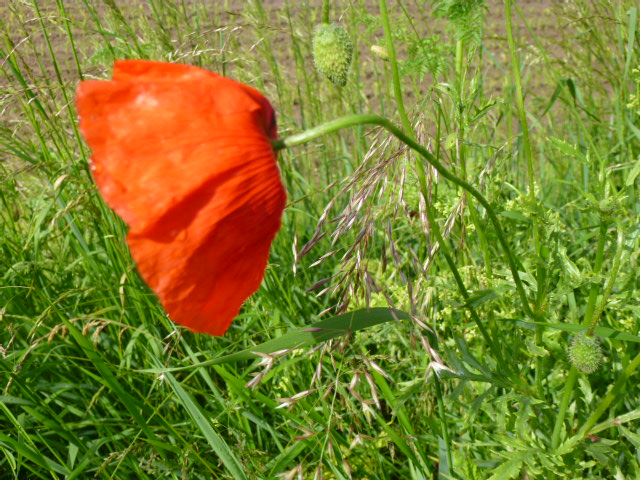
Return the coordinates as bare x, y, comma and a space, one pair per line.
98, 382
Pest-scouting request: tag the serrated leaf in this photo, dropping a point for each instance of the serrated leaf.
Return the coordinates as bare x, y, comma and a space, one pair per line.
507, 470
572, 272
633, 174
534, 350
631, 436
601, 450
568, 149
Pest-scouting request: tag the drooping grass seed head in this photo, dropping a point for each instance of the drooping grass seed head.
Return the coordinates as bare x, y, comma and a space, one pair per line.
332, 52
585, 353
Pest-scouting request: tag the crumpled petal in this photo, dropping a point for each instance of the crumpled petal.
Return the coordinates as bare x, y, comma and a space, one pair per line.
184, 157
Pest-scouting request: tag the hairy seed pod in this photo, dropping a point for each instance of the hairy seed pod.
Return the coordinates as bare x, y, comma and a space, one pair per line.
585, 353
332, 52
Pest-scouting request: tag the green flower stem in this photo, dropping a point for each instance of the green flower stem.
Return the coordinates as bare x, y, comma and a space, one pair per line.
593, 293
522, 117
564, 404
435, 231
459, 62
460, 108
354, 120
397, 89
613, 394
325, 11
522, 114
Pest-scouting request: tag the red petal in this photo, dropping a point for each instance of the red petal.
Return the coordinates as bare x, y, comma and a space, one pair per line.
183, 156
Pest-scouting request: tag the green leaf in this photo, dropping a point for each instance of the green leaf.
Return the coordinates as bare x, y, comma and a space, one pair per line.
517, 216
34, 456
315, 333
562, 84
633, 174
481, 296
568, 149
507, 470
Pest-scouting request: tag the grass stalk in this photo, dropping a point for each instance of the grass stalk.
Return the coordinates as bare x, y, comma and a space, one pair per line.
395, 75
325, 10
528, 154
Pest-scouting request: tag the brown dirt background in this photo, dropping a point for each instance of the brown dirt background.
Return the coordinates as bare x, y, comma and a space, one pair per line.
22, 23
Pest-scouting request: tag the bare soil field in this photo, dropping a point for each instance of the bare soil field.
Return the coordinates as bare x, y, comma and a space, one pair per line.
22, 25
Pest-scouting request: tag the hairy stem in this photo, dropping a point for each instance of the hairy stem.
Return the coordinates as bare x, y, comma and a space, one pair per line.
564, 404
615, 267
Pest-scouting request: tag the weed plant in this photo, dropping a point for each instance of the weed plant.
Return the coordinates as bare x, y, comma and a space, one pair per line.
542, 119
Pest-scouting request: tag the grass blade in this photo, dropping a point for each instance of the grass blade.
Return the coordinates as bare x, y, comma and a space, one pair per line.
217, 443
318, 332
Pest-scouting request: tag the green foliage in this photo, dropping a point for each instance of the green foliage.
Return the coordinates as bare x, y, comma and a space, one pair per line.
97, 382
426, 56
466, 18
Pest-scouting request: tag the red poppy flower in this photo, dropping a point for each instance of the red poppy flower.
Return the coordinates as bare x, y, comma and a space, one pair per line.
184, 157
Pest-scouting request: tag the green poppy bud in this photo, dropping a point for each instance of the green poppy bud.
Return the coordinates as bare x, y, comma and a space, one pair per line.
380, 52
585, 353
332, 52
607, 206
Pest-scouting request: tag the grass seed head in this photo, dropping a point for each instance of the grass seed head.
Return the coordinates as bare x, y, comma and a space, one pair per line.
332, 52
585, 353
